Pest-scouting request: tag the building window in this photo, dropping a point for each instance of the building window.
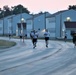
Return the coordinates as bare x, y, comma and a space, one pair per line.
29, 22
10, 20
0, 22
0, 28
51, 20
9, 28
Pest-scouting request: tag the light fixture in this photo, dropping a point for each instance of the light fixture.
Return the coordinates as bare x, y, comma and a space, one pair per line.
68, 19
22, 20
43, 30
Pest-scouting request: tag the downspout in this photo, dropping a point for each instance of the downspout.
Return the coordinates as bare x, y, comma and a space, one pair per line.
60, 24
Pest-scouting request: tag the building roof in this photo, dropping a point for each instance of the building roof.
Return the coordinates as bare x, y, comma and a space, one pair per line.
39, 14
58, 12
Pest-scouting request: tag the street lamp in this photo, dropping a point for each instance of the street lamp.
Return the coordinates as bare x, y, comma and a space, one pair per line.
33, 23
22, 20
45, 19
12, 8
22, 30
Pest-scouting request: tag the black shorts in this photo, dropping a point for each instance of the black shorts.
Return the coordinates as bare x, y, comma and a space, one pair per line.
20, 37
9, 35
34, 40
74, 40
46, 38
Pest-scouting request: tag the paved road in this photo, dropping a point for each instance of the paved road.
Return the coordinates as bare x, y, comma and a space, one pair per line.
58, 59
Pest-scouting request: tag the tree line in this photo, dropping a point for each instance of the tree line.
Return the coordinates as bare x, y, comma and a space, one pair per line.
7, 11
72, 7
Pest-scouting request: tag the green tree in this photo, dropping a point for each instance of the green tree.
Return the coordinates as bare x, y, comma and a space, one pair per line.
6, 11
13, 10
20, 9
72, 7
0, 12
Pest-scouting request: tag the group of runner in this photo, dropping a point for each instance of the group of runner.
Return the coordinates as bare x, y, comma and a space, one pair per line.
34, 36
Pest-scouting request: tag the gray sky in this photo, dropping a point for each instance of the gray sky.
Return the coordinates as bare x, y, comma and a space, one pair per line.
35, 6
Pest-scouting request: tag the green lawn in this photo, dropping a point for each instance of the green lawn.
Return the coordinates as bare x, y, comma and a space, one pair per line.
6, 44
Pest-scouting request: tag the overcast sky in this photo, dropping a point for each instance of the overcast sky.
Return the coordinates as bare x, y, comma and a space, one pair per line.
35, 6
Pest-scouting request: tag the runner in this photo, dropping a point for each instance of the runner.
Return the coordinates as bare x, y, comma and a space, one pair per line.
74, 40
20, 36
46, 35
34, 36
31, 35
65, 37
73, 34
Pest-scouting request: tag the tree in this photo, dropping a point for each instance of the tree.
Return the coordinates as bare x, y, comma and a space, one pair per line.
13, 10
0, 12
72, 7
6, 11
20, 9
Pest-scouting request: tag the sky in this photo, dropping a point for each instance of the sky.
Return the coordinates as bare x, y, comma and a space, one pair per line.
36, 6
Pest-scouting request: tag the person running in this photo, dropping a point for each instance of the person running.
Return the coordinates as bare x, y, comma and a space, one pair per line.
31, 35
34, 37
9, 35
20, 36
73, 34
46, 35
65, 37
74, 40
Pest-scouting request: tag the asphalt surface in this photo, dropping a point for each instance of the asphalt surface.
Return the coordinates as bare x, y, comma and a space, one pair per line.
58, 59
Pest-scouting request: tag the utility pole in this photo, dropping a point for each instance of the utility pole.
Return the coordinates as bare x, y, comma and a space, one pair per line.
3, 23
45, 19
33, 22
60, 24
12, 20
